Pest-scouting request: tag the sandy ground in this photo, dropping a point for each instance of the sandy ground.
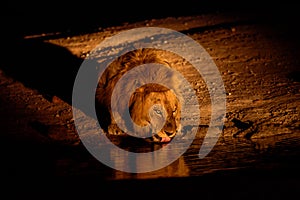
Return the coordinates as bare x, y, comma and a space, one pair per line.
258, 62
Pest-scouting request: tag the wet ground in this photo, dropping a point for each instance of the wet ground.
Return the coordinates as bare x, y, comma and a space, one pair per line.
256, 156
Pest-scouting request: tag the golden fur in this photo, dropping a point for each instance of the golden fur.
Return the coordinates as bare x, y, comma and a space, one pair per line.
149, 105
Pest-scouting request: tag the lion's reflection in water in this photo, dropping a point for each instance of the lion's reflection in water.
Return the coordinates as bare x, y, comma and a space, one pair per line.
178, 168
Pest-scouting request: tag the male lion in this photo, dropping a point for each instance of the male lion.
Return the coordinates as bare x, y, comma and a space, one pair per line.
151, 105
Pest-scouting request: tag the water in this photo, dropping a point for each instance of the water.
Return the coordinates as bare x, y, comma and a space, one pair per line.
236, 168
229, 155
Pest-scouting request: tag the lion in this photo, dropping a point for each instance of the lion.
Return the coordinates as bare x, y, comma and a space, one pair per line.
154, 109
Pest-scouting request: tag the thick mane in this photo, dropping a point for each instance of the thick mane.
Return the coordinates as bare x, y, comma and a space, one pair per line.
142, 70
127, 62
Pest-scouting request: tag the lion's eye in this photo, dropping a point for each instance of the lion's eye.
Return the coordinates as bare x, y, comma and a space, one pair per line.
158, 112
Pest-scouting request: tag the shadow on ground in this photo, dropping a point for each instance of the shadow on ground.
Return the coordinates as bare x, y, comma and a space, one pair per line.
46, 67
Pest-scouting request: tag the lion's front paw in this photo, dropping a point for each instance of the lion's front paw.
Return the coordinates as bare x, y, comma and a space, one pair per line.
113, 129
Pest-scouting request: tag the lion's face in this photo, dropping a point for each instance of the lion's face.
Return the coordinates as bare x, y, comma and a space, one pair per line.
159, 109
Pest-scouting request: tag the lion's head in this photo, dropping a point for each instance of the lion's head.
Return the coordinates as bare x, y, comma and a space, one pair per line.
158, 108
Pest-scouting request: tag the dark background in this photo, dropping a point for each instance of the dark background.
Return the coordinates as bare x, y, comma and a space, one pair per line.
28, 17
